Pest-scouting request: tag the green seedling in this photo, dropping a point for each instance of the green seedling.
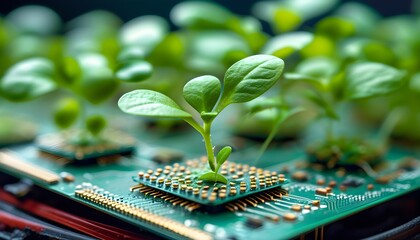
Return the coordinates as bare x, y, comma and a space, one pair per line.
331, 87
24, 82
245, 80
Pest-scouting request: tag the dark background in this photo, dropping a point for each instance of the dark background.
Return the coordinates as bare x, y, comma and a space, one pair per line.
128, 9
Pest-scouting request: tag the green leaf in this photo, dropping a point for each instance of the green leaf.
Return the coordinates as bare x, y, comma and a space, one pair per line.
28, 79
249, 78
70, 69
144, 32
368, 79
365, 19
222, 156
415, 83
34, 19
66, 113
213, 177
317, 83
260, 104
200, 15
286, 20
150, 103
289, 42
95, 124
97, 85
202, 93
135, 71
221, 44
97, 82
335, 27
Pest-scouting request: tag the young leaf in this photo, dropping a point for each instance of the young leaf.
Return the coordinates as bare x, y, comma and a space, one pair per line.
95, 124
222, 156
261, 104
285, 20
200, 15
213, 177
97, 85
288, 43
66, 113
28, 79
249, 78
135, 71
368, 79
335, 27
97, 82
150, 103
202, 93
144, 32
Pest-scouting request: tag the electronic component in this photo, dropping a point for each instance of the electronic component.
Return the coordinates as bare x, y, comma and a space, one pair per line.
60, 144
11, 161
182, 181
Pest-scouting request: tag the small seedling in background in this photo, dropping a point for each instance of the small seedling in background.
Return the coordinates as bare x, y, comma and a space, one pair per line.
245, 80
331, 87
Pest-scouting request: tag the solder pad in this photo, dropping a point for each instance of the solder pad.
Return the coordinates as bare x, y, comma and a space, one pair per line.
182, 181
58, 144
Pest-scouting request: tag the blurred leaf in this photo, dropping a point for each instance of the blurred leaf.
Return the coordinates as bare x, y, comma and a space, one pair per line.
318, 67
316, 72
294, 41
200, 15
364, 21
415, 83
150, 103
249, 78
28, 79
208, 49
202, 93
379, 52
320, 46
144, 32
319, 84
97, 82
335, 27
262, 103
34, 19
95, 124
286, 20
70, 69
66, 113
368, 79
172, 47
135, 71
98, 23
306, 9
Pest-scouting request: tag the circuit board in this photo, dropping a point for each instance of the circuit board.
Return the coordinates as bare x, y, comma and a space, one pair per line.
307, 197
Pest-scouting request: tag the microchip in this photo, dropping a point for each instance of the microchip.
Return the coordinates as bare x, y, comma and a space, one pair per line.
59, 144
182, 181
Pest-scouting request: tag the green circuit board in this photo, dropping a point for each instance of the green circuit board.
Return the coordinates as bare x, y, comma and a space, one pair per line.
309, 197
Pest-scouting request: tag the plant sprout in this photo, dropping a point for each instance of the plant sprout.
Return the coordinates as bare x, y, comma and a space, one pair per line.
243, 81
330, 87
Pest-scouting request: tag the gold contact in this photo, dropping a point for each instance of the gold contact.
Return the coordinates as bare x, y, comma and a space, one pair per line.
11, 161
136, 212
176, 201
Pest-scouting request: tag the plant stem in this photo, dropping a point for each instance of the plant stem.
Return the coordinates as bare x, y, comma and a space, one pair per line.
209, 146
329, 130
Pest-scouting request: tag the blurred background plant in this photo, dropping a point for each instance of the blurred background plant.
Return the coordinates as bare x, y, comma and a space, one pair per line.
93, 48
